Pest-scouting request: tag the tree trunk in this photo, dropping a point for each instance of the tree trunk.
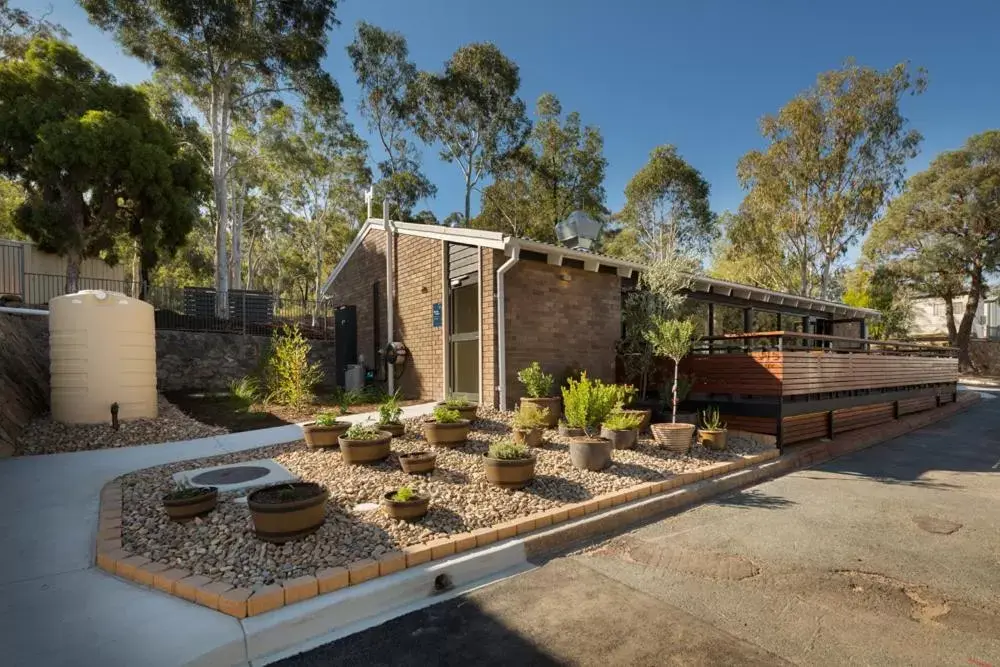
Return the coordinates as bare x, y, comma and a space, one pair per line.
136, 287
73, 261
239, 206
824, 281
673, 417
220, 152
319, 280
949, 311
968, 318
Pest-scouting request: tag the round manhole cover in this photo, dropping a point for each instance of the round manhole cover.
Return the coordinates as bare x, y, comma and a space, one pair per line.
234, 475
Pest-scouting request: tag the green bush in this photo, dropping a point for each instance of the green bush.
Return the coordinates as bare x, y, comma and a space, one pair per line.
389, 410
326, 419
363, 432
508, 451
288, 375
530, 415
246, 389
403, 494
622, 421
453, 402
536, 382
444, 415
587, 403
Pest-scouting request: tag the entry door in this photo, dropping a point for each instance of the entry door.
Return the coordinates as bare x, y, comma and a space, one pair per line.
463, 341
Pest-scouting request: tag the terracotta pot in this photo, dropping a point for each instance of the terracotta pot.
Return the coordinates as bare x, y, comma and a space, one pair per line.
624, 439
590, 453
418, 462
395, 430
568, 431
356, 452
509, 473
529, 437
553, 404
446, 435
645, 413
468, 412
188, 507
674, 437
410, 510
712, 438
324, 436
282, 520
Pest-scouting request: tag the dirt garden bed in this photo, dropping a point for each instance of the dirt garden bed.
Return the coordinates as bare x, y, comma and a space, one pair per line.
46, 436
222, 545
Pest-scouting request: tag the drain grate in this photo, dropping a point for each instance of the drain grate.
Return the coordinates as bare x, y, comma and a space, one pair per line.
231, 475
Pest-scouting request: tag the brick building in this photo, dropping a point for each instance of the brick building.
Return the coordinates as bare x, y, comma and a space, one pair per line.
472, 307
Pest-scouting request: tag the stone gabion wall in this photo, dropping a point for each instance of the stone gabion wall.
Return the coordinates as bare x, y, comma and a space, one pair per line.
204, 361
986, 356
24, 374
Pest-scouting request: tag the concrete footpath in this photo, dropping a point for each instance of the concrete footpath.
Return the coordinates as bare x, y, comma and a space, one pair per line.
886, 556
57, 608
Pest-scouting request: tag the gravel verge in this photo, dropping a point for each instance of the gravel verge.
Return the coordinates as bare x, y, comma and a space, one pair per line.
46, 436
222, 544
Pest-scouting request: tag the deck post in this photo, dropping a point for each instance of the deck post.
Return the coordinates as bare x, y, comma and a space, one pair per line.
711, 326
747, 328
829, 424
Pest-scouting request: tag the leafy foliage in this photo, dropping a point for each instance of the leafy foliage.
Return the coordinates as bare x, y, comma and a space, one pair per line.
246, 389
360, 431
390, 411
530, 415
673, 339
879, 288
710, 420
326, 419
587, 403
456, 402
404, 494
537, 383
622, 421
444, 415
289, 377
508, 450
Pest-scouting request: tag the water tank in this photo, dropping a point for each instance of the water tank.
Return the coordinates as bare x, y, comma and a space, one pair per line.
102, 347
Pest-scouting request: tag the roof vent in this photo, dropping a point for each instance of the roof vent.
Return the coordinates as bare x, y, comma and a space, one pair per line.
579, 231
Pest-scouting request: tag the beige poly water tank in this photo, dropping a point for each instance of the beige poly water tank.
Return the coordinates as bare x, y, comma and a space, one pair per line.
102, 347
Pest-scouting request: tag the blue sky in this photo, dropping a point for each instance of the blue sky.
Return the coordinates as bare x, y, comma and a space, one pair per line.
694, 73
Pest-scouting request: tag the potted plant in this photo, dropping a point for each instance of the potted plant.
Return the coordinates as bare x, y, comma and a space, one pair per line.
324, 431
673, 339
446, 428
587, 404
284, 512
416, 463
528, 423
404, 504
364, 443
628, 393
712, 433
684, 384
509, 465
187, 501
622, 429
466, 409
389, 412
538, 385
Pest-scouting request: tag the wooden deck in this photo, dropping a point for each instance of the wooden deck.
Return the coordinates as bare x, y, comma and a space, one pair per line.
800, 387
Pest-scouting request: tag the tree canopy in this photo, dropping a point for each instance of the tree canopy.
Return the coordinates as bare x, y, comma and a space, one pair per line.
92, 161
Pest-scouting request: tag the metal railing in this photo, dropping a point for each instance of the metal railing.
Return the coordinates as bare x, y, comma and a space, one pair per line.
198, 308
790, 341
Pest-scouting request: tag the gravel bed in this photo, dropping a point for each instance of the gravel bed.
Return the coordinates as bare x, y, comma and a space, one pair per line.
46, 436
222, 544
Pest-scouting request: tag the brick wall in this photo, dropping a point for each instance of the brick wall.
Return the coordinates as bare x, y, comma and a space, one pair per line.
419, 266
560, 323
353, 287
491, 262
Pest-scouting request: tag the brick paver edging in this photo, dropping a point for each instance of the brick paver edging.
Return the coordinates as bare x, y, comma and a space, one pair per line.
582, 520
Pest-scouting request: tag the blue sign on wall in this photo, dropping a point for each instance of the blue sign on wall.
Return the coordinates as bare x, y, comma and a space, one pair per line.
437, 315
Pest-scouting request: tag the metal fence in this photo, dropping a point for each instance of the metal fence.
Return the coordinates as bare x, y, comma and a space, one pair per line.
197, 308
993, 333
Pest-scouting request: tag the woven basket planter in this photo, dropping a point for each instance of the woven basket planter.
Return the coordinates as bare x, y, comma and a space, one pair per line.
674, 437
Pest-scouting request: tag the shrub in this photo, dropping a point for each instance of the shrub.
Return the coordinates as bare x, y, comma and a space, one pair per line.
711, 421
673, 339
456, 402
587, 403
246, 389
444, 415
389, 411
507, 450
622, 421
626, 393
403, 494
326, 419
289, 376
536, 382
363, 432
530, 415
